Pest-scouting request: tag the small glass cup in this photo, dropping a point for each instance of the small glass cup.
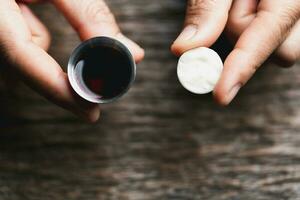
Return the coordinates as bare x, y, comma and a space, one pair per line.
101, 70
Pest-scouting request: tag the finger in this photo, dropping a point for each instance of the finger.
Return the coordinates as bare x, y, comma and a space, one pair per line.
40, 34
91, 18
35, 66
267, 31
43, 74
241, 14
204, 23
289, 51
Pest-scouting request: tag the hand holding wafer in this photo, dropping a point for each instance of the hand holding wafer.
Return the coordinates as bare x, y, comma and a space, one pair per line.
259, 29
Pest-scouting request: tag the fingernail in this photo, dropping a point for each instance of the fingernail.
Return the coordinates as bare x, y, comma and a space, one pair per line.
233, 92
188, 33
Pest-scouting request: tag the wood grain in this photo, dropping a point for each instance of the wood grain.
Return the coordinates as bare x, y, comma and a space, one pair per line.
159, 141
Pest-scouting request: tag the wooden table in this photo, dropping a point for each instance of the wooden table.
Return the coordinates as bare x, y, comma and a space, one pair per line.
159, 141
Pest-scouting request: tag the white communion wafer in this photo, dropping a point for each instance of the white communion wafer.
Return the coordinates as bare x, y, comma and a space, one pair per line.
199, 70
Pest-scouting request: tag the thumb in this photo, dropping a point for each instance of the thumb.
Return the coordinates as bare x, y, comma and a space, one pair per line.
204, 23
91, 18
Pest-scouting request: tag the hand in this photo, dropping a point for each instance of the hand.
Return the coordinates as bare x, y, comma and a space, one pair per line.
259, 29
24, 41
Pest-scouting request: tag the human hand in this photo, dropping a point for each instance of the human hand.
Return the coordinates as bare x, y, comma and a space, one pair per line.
260, 29
24, 41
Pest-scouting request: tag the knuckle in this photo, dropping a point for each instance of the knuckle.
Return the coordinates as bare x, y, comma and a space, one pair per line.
42, 37
283, 18
288, 19
197, 7
98, 12
234, 21
42, 40
203, 5
234, 25
292, 13
46, 36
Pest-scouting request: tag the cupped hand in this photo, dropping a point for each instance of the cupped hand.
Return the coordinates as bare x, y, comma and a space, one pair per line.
24, 41
259, 29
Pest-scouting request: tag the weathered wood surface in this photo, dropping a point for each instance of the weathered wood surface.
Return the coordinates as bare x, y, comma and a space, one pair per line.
159, 141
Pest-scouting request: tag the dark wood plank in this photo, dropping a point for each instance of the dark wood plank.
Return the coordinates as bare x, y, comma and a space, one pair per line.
159, 141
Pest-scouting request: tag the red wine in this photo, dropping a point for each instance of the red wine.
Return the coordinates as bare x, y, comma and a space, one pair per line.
103, 69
